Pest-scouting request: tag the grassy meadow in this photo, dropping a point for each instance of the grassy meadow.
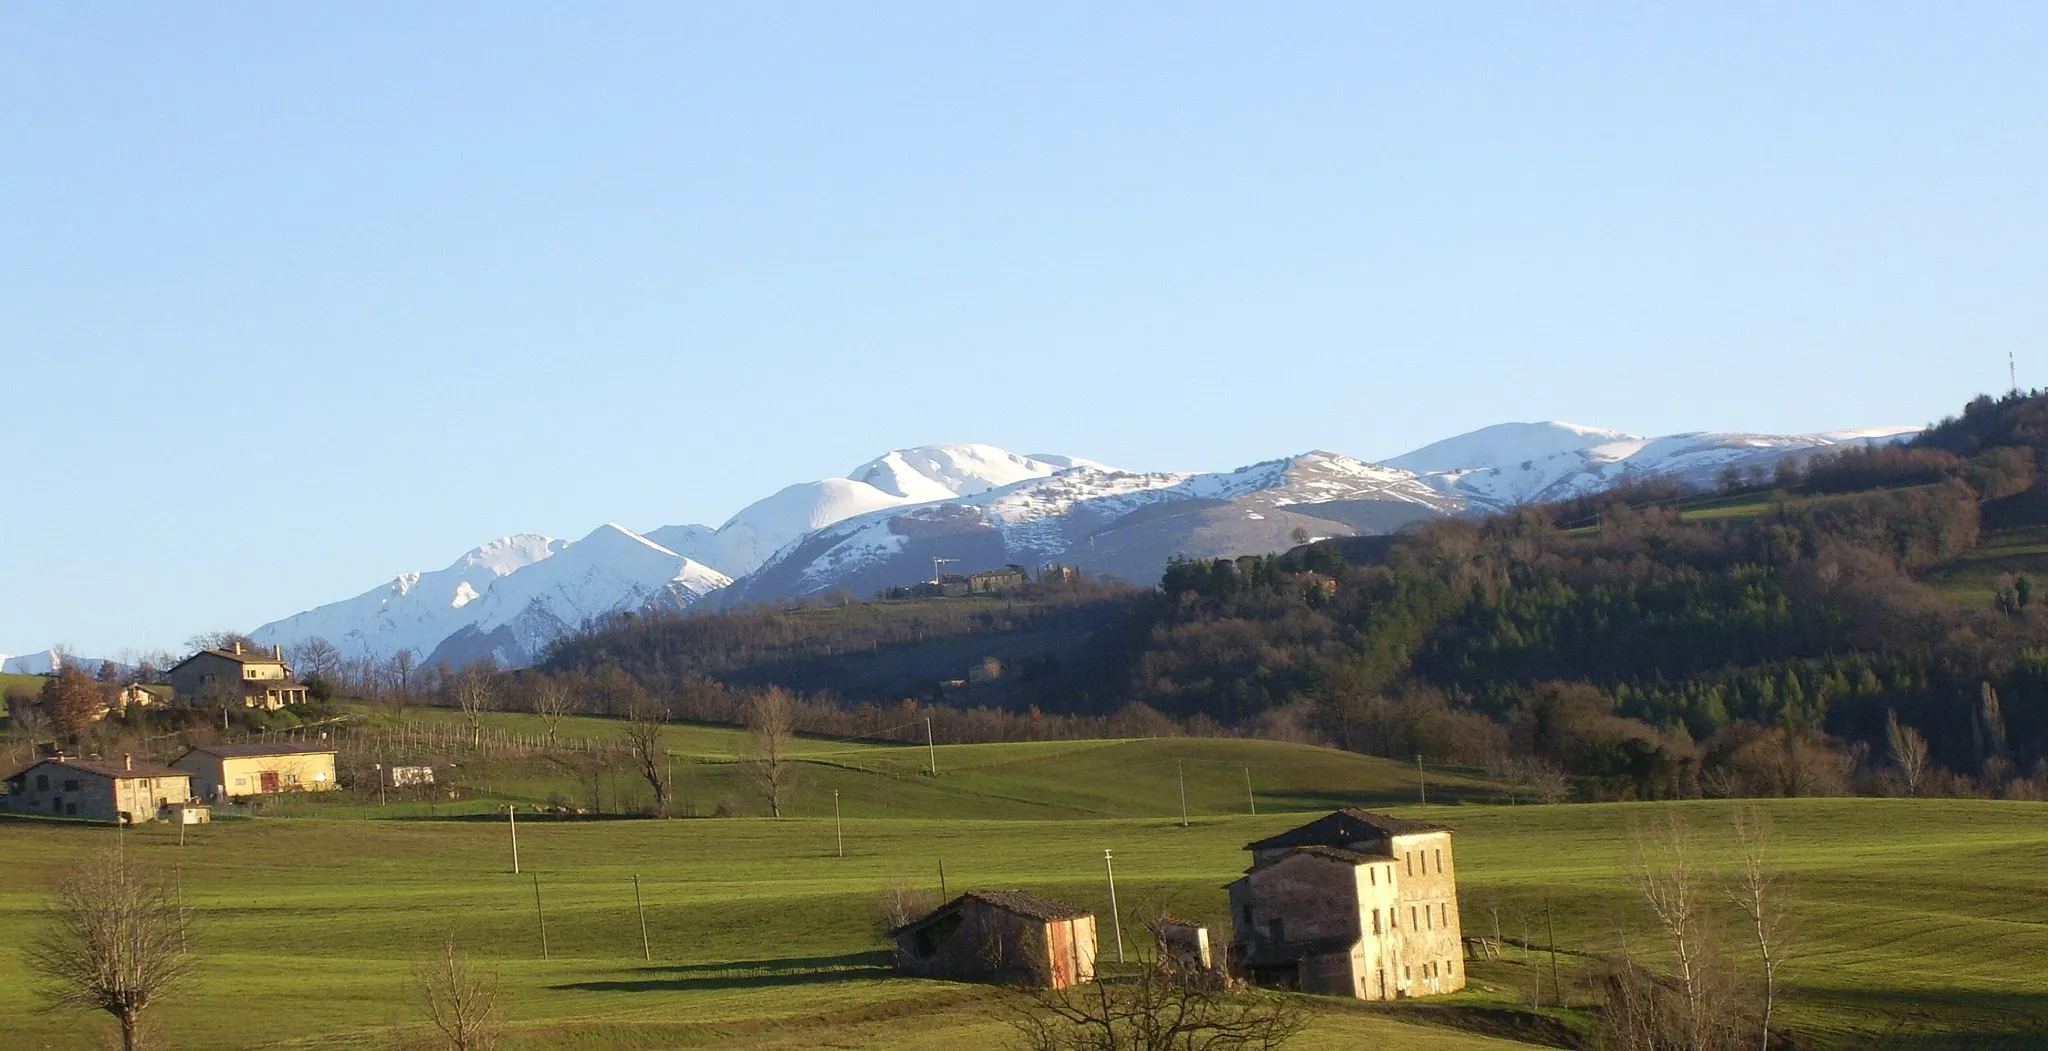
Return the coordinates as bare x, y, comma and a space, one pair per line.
1924, 922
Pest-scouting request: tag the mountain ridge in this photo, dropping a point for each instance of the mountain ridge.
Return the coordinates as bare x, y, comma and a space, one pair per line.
980, 506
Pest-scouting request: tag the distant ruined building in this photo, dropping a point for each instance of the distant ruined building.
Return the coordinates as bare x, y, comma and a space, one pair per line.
1354, 904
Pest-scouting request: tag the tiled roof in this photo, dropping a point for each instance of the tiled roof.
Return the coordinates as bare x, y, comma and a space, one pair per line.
247, 656
1349, 825
113, 768
1024, 903
245, 751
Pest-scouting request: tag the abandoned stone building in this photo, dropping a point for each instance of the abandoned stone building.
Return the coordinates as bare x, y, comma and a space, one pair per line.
1352, 904
1007, 936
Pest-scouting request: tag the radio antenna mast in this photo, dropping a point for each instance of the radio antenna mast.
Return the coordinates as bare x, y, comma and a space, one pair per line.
2013, 371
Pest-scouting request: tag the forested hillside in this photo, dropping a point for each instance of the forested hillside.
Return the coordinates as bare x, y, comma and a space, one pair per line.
1799, 634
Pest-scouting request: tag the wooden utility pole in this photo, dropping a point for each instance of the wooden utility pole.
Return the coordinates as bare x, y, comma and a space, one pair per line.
646, 953
838, 835
1248, 796
1421, 779
931, 748
512, 823
1114, 918
541, 916
942, 879
1181, 773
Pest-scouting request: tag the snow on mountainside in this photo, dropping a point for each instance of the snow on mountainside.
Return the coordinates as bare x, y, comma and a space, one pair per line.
1101, 519
611, 570
1516, 463
895, 479
415, 611
46, 662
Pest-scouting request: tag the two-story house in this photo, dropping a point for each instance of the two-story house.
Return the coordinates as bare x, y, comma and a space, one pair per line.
261, 679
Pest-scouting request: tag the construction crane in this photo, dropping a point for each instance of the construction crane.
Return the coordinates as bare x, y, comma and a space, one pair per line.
937, 564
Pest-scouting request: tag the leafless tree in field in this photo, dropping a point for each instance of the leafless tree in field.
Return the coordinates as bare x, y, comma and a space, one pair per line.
475, 694
1908, 750
549, 698
1665, 872
459, 997
771, 730
647, 736
1156, 1008
1757, 889
116, 944
900, 903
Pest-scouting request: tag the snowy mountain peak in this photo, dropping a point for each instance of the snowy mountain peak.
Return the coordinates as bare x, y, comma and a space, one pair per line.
1507, 443
938, 472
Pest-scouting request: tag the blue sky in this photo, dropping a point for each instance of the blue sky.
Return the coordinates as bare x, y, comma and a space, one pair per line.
295, 298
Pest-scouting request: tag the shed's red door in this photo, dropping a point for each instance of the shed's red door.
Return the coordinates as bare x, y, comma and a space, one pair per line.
269, 781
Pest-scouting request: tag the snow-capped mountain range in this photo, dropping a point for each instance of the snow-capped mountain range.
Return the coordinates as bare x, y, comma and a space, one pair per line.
980, 506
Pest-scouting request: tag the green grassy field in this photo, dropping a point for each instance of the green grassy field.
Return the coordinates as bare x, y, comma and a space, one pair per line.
1925, 919
1051, 779
1973, 579
10, 681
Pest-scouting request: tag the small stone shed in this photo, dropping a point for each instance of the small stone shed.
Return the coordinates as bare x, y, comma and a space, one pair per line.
1008, 936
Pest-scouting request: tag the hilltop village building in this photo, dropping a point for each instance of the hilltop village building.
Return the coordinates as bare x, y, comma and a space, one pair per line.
261, 680
1005, 936
1352, 904
230, 771
121, 790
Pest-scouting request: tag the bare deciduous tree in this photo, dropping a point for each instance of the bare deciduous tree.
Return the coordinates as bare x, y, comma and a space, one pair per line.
459, 997
771, 730
646, 736
900, 903
1908, 751
315, 657
1156, 1008
549, 698
1665, 872
1757, 890
400, 669
475, 693
117, 942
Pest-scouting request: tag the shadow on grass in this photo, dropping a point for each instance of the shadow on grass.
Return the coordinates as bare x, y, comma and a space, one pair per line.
1947, 1020
747, 974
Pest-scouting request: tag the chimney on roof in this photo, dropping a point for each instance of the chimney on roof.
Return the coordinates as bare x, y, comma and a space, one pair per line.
238, 649
277, 650
127, 761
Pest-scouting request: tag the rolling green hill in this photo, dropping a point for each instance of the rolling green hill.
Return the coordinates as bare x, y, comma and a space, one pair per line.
1019, 780
1922, 922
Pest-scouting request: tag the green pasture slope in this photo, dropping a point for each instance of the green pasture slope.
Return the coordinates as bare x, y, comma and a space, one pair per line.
1924, 921
1044, 780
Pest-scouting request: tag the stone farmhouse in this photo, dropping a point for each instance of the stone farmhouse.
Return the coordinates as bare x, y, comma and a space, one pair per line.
122, 790
1353, 904
231, 771
263, 680
997, 581
1006, 936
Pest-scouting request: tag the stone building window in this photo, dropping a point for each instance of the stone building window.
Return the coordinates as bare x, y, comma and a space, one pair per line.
1408, 858
1439, 861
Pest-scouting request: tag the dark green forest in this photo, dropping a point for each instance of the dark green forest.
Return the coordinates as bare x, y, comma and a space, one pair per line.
1813, 632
